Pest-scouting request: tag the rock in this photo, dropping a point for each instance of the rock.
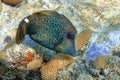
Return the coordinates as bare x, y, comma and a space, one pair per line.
12, 2
86, 77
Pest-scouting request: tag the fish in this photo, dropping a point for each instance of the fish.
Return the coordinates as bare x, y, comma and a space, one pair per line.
49, 29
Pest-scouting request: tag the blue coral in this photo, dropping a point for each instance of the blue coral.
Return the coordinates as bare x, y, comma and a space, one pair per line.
96, 50
105, 47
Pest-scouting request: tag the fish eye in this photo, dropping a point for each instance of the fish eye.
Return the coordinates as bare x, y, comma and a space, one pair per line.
70, 35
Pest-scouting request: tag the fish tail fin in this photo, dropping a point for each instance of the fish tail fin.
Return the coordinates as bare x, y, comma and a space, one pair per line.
22, 30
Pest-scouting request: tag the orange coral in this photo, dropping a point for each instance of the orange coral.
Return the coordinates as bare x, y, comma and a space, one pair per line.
50, 69
31, 62
34, 64
101, 62
26, 59
29, 57
83, 37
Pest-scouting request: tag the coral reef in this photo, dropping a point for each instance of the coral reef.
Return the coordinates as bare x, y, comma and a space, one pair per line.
27, 60
103, 48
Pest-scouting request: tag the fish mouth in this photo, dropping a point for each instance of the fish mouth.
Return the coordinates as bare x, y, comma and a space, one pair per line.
70, 50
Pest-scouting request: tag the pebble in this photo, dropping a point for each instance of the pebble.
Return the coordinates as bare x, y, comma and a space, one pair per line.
12, 2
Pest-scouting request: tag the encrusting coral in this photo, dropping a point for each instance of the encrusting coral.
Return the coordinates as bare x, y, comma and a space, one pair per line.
83, 37
101, 62
49, 70
36, 63
31, 62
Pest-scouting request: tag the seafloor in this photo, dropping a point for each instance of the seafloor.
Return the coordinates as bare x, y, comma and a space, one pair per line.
98, 59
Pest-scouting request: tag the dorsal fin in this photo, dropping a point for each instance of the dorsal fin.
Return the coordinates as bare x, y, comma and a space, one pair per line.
22, 30
44, 11
59, 6
57, 9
